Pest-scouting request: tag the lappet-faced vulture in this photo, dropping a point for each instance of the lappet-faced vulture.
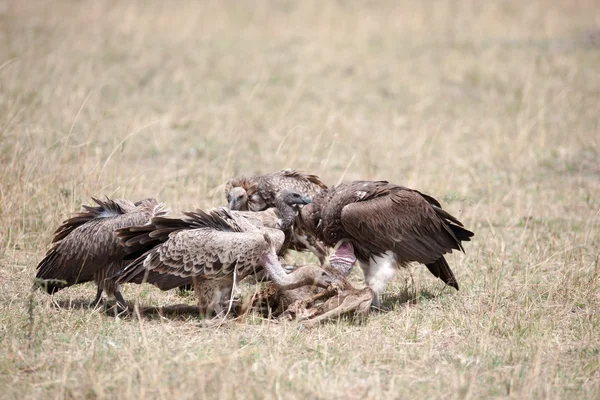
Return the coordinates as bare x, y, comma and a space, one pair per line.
386, 225
87, 249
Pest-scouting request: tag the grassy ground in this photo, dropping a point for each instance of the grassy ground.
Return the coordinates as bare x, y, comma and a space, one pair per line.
490, 106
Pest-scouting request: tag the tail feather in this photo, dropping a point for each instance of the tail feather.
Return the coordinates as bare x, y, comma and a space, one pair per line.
132, 273
454, 227
442, 270
136, 273
462, 234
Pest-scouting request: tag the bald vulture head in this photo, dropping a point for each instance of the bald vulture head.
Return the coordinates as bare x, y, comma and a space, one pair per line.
292, 198
238, 199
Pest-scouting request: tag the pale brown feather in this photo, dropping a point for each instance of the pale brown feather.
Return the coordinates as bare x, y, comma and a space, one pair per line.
210, 245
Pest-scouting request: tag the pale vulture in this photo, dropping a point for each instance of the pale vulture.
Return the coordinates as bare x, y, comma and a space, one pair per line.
258, 193
213, 250
87, 249
388, 225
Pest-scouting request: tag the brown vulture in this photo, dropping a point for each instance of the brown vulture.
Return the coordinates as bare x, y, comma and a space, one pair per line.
87, 249
387, 225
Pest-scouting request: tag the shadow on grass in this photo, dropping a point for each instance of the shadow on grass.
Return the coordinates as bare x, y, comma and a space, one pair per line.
108, 307
176, 311
407, 296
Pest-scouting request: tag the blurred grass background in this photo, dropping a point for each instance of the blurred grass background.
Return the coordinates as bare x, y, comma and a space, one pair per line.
492, 107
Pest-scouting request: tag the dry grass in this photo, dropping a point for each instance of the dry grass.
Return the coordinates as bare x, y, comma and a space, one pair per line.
490, 106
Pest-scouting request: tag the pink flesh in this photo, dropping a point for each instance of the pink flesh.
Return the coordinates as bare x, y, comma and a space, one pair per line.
343, 258
344, 253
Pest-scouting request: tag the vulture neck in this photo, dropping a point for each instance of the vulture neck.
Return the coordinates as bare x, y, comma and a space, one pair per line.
281, 279
287, 214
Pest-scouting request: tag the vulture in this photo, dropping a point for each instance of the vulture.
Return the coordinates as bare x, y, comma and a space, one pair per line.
213, 250
258, 193
387, 225
85, 247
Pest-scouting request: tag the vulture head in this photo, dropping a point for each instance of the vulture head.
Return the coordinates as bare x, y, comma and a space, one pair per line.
238, 199
288, 203
319, 277
242, 195
292, 198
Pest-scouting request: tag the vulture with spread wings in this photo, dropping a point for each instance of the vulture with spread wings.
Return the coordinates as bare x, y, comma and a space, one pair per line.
213, 251
387, 225
87, 249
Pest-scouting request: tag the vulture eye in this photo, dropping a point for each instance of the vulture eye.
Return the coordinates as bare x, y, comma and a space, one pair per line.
239, 197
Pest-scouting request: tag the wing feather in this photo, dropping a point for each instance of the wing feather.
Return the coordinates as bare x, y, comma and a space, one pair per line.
402, 221
87, 247
203, 252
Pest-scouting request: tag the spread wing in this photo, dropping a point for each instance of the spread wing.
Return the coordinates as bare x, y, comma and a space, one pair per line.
196, 248
86, 243
402, 221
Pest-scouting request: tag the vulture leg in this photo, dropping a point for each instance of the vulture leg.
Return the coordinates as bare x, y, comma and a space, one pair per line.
376, 304
98, 298
214, 297
121, 304
378, 273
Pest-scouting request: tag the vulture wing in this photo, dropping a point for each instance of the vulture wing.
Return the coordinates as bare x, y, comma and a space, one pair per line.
408, 224
402, 221
202, 244
86, 243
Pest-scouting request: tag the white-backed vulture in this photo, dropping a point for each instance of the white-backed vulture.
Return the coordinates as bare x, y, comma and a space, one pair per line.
213, 250
388, 225
87, 249
258, 193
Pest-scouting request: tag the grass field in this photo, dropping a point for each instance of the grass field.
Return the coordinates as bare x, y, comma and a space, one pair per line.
492, 107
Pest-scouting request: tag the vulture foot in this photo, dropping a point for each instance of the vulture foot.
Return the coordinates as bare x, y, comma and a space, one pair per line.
377, 306
98, 300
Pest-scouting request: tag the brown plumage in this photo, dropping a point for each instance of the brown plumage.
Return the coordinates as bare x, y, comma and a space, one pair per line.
87, 249
213, 250
387, 224
258, 193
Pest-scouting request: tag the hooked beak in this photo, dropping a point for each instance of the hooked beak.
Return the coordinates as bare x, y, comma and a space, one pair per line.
306, 200
233, 204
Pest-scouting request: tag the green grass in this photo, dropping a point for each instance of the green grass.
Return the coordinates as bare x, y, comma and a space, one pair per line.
491, 107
